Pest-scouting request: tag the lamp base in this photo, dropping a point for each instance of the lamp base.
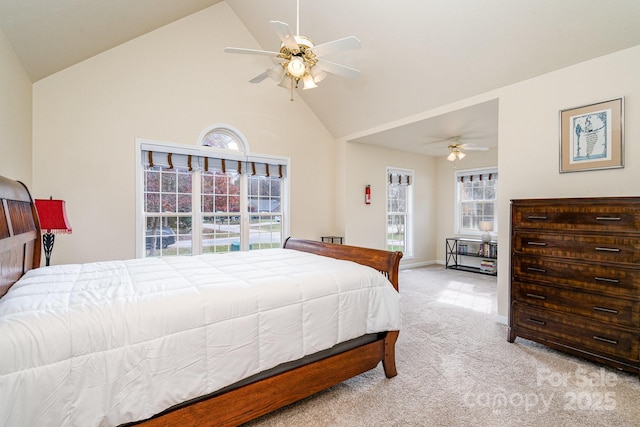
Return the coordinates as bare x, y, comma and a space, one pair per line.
47, 244
486, 237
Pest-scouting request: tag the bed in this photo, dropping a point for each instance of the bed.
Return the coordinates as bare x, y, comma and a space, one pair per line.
363, 335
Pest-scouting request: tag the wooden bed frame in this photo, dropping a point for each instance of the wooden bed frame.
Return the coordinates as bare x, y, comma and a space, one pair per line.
20, 251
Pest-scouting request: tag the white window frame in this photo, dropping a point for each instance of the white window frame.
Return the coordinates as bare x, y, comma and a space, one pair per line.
203, 151
407, 253
457, 225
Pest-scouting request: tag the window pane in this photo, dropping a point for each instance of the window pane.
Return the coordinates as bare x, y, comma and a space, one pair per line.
184, 183
220, 139
220, 233
396, 232
207, 203
168, 202
264, 194
167, 236
152, 202
169, 181
265, 232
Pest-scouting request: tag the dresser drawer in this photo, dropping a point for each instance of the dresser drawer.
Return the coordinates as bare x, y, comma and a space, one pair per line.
591, 277
609, 249
577, 330
605, 215
608, 309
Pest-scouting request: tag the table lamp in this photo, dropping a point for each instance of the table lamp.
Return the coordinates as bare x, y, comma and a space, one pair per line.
486, 226
53, 218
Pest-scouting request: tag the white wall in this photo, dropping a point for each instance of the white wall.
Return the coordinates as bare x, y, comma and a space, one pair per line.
365, 225
167, 85
528, 134
15, 116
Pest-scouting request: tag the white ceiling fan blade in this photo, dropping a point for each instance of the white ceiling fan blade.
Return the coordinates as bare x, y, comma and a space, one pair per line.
323, 49
260, 77
472, 148
286, 36
275, 73
250, 51
340, 70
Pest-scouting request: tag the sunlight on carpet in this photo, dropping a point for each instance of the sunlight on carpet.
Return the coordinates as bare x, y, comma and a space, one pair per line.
465, 296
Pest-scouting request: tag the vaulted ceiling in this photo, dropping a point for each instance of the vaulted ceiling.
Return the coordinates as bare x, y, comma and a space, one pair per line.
416, 55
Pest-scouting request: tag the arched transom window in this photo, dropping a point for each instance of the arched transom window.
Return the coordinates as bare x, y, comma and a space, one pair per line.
224, 137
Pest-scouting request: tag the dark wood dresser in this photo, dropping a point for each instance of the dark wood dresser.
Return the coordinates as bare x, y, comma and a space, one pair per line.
575, 277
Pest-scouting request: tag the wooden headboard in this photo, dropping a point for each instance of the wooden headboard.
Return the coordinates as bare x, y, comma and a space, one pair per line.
19, 233
386, 262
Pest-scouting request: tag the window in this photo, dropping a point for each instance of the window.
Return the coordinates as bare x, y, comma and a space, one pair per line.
194, 200
221, 213
167, 205
476, 196
224, 137
399, 229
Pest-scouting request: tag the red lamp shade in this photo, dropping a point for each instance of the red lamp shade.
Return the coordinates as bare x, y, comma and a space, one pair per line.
53, 216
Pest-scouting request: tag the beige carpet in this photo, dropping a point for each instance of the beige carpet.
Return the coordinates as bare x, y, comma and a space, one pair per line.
456, 368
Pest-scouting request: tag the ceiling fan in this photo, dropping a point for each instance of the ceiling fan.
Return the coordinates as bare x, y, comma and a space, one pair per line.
300, 59
455, 149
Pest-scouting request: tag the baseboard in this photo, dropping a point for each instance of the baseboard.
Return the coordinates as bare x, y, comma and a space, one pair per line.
417, 264
502, 320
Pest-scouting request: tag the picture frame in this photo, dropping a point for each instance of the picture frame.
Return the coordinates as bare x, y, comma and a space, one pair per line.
592, 136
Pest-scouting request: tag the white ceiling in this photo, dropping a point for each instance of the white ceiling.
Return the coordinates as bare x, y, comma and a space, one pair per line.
416, 55
50, 35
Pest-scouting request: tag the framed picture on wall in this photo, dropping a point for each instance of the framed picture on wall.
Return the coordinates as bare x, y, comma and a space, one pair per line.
592, 136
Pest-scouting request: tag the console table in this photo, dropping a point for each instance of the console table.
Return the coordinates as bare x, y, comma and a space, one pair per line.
471, 255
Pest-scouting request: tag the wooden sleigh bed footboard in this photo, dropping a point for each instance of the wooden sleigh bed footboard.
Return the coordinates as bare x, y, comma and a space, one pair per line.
303, 379
20, 251
248, 402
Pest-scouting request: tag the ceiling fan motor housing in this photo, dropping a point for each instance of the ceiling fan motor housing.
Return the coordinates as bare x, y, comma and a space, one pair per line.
298, 68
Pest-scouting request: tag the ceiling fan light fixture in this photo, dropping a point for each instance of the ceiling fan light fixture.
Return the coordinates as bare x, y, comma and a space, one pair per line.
318, 74
451, 157
308, 82
286, 82
460, 155
296, 67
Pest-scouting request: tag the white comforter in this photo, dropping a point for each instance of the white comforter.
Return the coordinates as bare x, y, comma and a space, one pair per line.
112, 342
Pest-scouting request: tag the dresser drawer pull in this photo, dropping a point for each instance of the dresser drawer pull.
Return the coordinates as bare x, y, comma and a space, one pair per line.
536, 243
606, 279
537, 217
606, 310
537, 322
536, 296
608, 218
536, 270
607, 249
607, 340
